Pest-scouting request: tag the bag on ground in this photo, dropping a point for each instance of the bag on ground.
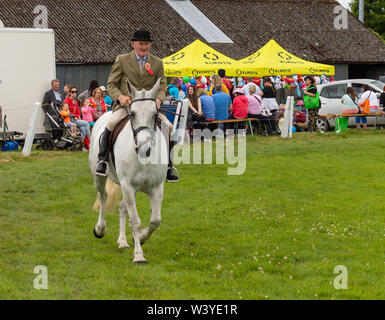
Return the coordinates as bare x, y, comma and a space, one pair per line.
342, 124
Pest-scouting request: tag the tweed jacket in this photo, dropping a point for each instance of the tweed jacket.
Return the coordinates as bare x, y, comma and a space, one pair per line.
126, 67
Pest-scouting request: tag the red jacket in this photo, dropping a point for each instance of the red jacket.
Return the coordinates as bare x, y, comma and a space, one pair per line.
240, 106
74, 107
300, 117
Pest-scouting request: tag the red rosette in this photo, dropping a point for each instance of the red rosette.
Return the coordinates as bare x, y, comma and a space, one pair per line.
148, 68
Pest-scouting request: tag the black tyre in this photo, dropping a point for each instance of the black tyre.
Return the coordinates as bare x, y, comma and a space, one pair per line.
80, 146
47, 145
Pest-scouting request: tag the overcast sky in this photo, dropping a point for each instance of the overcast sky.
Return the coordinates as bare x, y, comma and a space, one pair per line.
345, 3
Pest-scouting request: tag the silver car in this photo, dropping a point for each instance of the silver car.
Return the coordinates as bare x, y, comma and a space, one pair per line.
331, 94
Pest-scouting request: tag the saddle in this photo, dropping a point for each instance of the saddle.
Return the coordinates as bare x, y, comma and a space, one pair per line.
115, 133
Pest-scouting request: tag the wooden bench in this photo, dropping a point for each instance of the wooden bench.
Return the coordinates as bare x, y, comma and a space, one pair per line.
350, 115
237, 121
337, 116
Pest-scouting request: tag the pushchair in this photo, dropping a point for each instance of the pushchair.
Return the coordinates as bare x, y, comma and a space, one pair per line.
61, 136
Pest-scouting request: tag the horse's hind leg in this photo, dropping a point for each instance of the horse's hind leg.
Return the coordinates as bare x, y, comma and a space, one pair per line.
129, 199
156, 198
100, 185
122, 240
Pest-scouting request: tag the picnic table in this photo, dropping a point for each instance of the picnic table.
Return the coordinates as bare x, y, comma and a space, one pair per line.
338, 116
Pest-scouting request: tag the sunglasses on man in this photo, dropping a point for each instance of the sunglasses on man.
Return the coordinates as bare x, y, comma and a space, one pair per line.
74, 92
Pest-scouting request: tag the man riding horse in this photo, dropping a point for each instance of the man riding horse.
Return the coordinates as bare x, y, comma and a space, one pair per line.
142, 70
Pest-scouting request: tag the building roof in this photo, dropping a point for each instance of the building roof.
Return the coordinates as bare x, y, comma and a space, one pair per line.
96, 31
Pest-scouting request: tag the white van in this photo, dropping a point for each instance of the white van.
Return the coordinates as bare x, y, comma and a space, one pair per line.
27, 66
331, 94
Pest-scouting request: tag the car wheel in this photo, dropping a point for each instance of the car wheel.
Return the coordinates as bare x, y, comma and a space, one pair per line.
322, 125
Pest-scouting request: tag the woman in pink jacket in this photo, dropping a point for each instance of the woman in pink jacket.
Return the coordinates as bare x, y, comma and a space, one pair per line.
87, 113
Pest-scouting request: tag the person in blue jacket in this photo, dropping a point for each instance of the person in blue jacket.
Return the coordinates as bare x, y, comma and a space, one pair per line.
172, 88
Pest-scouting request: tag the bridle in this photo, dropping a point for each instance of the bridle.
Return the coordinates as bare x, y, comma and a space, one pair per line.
141, 128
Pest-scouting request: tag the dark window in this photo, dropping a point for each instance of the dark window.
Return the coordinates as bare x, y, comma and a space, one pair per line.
334, 92
357, 88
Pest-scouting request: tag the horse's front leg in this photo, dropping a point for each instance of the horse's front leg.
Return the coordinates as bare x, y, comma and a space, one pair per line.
129, 199
100, 185
122, 240
156, 198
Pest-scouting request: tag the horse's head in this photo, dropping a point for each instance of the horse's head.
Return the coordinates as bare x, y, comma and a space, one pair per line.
143, 113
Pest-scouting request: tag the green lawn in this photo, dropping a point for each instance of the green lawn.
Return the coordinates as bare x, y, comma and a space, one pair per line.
303, 207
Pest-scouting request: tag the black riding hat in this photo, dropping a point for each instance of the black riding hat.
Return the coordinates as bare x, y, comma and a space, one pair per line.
142, 35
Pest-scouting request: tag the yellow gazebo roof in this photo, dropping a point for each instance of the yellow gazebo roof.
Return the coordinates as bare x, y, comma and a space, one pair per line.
196, 60
273, 60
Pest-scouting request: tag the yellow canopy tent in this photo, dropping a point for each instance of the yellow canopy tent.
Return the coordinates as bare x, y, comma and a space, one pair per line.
273, 60
196, 60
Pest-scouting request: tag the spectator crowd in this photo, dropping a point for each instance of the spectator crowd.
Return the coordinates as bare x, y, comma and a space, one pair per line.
218, 99
79, 111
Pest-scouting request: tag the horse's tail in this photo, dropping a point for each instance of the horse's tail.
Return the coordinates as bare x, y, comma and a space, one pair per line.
114, 191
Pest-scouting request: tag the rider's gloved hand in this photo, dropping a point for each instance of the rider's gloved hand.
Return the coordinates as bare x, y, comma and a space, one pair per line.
124, 100
158, 103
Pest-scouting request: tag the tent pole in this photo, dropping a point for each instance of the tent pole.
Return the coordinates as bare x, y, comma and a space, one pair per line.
361, 6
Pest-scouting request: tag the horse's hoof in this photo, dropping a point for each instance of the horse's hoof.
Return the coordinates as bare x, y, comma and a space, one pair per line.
123, 246
98, 236
140, 263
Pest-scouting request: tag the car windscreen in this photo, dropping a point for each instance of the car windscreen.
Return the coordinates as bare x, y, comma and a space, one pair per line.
380, 85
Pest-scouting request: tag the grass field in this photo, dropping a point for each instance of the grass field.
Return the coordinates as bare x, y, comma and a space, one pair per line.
303, 207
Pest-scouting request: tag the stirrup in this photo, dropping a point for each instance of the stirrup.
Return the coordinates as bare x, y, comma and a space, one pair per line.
103, 174
176, 174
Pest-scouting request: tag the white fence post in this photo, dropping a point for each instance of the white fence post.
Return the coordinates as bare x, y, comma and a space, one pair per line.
182, 109
183, 121
291, 109
31, 130
288, 118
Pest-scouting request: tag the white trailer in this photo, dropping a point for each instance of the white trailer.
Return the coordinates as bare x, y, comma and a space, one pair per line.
27, 66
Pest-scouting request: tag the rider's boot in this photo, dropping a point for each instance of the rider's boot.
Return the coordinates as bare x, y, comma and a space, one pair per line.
104, 148
171, 175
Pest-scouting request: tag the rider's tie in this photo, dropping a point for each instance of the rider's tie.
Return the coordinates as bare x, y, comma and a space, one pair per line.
141, 64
